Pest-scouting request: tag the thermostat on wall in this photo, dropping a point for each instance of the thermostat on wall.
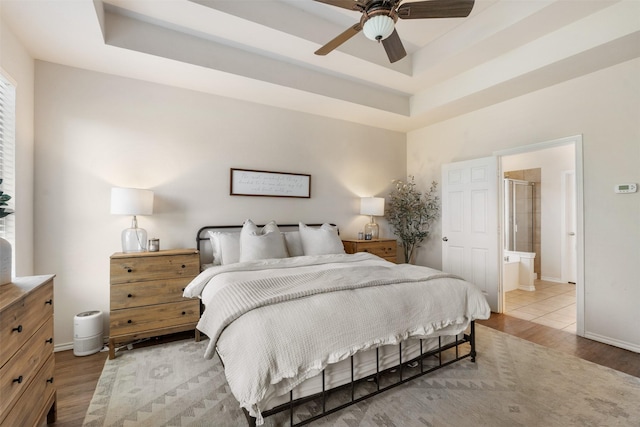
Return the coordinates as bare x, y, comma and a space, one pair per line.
626, 188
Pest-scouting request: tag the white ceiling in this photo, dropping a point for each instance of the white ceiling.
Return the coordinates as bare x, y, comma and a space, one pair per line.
262, 51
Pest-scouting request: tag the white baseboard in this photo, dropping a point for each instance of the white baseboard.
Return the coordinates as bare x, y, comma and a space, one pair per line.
69, 345
63, 347
551, 279
616, 343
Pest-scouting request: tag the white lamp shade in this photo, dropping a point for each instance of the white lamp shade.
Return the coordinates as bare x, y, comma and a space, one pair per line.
372, 206
131, 201
378, 27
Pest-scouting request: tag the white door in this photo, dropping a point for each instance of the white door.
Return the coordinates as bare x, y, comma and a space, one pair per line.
569, 238
470, 225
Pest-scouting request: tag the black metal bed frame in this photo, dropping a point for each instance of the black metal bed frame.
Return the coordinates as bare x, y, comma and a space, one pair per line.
200, 239
400, 368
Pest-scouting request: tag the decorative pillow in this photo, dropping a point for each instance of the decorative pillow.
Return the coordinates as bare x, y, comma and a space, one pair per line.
293, 242
225, 246
261, 244
320, 241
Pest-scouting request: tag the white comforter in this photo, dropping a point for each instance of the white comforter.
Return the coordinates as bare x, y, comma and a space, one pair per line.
278, 322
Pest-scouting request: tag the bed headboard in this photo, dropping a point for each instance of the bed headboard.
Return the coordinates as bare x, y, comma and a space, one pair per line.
204, 246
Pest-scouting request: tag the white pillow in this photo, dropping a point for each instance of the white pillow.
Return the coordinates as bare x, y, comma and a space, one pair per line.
261, 244
293, 242
225, 246
320, 241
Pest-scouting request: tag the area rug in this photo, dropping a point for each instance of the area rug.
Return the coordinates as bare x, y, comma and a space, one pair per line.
513, 383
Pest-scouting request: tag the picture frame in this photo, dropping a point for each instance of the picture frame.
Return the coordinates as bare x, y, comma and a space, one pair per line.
250, 182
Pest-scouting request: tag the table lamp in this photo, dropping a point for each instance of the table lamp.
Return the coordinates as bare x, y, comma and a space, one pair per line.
132, 201
372, 206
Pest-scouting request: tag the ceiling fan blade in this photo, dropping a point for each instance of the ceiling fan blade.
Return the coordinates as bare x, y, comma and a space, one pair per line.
345, 4
436, 9
394, 48
346, 35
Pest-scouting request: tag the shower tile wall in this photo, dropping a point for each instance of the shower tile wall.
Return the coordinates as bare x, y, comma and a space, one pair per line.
532, 175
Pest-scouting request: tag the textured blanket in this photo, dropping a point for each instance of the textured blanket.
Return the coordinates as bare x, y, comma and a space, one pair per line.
276, 323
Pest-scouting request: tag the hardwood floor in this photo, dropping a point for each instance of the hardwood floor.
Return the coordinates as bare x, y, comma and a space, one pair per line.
76, 377
603, 354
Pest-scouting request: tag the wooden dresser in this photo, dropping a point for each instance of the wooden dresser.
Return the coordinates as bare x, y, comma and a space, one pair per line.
27, 389
146, 295
384, 248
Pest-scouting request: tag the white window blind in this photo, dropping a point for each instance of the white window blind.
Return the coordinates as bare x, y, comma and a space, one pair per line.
7, 153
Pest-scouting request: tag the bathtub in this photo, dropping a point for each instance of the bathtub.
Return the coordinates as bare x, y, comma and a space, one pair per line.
517, 271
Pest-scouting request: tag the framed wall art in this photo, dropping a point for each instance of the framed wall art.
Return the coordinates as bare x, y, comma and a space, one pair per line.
248, 182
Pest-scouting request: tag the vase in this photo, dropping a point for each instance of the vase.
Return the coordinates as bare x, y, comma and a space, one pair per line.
5, 261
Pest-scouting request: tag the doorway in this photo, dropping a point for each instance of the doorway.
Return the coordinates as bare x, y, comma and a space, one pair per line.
553, 299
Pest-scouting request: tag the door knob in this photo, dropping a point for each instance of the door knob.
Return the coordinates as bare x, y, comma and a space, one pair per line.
445, 239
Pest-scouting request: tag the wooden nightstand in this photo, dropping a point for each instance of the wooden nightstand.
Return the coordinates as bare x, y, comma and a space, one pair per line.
384, 248
146, 295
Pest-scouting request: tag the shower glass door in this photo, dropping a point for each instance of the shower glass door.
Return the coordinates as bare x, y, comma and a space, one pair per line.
519, 215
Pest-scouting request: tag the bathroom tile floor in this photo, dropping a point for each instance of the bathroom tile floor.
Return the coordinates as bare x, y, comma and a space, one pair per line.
551, 304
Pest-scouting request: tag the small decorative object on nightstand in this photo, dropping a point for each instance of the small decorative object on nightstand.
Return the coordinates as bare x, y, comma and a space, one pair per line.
146, 295
384, 248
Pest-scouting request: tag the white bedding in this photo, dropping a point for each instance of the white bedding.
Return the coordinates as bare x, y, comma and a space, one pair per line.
278, 322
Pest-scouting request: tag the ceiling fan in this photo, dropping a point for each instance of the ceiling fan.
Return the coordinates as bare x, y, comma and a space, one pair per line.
379, 18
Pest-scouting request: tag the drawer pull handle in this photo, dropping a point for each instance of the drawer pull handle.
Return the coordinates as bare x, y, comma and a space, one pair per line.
184, 312
17, 329
129, 295
50, 380
129, 321
49, 301
129, 270
18, 380
50, 340
184, 266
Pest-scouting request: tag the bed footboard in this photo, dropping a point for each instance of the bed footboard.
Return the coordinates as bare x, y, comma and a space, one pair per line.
445, 354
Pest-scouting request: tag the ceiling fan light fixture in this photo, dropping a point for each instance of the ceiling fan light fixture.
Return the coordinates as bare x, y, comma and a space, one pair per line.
378, 27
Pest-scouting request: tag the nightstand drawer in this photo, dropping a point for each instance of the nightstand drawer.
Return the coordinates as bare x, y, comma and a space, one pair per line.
126, 295
134, 320
136, 269
384, 248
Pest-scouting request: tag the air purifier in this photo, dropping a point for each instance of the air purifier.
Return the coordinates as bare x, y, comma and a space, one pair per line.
87, 333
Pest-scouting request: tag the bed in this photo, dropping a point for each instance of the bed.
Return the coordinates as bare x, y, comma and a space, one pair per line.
304, 329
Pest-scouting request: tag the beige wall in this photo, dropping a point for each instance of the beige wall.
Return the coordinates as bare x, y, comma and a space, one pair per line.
18, 66
605, 108
95, 131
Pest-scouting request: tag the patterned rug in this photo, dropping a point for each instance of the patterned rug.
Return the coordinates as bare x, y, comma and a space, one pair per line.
513, 383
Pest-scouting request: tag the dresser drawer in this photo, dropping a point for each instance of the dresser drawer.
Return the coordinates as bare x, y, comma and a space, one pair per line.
127, 295
21, 320
135, 269
19, 371
141, 319
30, 410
